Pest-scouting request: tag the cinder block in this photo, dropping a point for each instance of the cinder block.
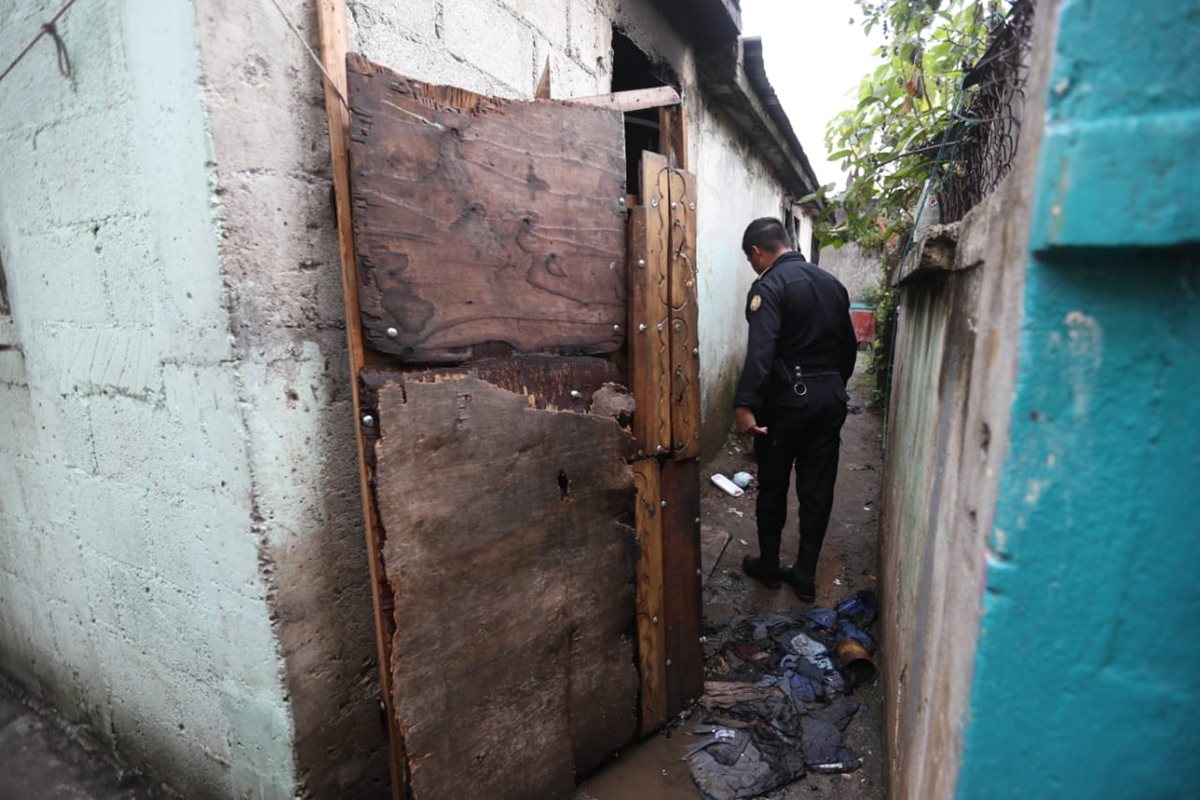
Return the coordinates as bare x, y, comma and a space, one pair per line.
494, 40
35, 93
417, 19
73, 170
56, 275
590, 32
174, 725
548, 17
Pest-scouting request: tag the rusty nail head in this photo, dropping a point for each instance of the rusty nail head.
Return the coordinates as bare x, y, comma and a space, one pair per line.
392, 333
368, 420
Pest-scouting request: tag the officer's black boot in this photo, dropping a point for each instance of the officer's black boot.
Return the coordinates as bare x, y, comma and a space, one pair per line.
803, 583
803, 576
765, 573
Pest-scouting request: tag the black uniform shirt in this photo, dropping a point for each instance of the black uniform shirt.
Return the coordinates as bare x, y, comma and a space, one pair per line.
798, 314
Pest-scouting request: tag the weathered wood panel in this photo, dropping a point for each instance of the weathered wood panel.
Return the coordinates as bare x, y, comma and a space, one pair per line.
651, 623
513, 574
649, 338
548, 382
682, 607
685, 318
479, 220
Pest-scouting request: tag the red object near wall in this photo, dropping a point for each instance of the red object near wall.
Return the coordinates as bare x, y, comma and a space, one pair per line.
864, 324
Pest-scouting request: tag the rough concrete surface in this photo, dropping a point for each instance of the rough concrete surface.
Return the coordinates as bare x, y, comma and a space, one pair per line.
653, 768
43, 757
130, 590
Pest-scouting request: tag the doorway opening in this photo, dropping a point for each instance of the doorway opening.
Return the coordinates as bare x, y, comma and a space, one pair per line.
633, 69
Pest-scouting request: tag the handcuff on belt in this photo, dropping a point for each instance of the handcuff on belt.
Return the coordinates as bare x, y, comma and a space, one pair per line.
798, 385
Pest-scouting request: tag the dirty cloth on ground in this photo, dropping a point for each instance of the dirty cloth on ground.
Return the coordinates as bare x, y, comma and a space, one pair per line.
782, 708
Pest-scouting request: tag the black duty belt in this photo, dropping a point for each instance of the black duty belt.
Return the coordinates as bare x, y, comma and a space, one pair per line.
796, 376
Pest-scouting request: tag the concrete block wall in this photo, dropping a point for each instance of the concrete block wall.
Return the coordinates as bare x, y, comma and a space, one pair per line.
857, 269
131, 594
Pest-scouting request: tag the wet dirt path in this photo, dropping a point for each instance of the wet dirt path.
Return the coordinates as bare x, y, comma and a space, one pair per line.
654, 769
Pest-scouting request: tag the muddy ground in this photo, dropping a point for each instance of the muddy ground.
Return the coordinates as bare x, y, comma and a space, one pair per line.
654, 769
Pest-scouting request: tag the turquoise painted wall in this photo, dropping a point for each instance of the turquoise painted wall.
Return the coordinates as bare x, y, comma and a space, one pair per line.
1086, 679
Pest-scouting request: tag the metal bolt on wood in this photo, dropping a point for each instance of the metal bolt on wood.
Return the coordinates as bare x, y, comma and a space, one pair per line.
616, 328
621, 200
654, 202
392, 333
641, 263
663, 504
654, 620
692, 206
668, 662
674, 206
368, 420
660, 326
642, 328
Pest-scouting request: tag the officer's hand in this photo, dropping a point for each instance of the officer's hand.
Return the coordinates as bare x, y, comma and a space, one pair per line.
745, 423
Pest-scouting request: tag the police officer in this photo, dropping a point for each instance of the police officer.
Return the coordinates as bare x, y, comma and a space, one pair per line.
792, 397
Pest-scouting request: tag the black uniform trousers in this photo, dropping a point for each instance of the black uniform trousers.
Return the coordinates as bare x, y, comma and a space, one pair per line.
808, 437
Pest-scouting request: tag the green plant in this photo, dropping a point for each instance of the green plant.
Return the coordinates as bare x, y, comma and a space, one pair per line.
892, 141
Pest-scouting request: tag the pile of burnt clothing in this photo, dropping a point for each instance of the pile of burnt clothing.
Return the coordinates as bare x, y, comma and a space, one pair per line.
782, 708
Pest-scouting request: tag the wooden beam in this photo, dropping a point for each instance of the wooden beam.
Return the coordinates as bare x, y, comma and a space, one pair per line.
685, 318
543, 88
651, 622
672, 135
679, 501
331, 20
632, 100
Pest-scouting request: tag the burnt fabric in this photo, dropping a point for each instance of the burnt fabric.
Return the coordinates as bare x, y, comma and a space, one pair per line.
786, 716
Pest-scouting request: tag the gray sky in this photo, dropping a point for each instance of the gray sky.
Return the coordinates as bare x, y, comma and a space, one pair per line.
815, 60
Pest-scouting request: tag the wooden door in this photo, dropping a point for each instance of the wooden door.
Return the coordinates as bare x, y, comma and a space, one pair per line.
492, 279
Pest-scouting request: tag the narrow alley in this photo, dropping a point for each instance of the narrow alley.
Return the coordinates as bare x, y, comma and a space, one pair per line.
656, 768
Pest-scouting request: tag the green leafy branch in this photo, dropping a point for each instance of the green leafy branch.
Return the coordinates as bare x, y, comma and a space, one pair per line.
891, 142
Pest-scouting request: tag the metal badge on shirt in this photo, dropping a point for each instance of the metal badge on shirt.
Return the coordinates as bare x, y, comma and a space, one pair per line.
755, 302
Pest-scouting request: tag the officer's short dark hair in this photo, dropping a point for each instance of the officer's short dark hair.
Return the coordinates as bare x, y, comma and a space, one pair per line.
766, 233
